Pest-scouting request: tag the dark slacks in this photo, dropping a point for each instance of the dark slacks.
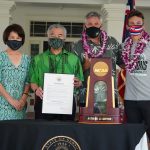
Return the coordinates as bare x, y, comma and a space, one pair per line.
138, 112
51, 117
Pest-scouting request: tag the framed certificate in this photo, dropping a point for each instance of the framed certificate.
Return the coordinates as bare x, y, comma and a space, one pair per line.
58, 93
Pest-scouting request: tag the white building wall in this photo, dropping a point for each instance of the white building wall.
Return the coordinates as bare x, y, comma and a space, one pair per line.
24, 14
146, 13
64, 13
114, 19
5, 8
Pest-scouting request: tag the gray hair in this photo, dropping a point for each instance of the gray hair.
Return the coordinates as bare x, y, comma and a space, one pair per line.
93, 14
57, 26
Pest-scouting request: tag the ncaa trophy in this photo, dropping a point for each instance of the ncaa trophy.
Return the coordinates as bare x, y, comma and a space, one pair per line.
100, 98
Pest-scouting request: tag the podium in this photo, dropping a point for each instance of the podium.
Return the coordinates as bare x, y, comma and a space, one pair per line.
100, 97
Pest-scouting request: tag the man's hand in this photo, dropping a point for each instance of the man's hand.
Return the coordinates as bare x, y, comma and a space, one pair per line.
77, 82
87, 63
39, 92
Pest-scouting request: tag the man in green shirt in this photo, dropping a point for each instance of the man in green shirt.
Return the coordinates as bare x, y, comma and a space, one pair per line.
55, 60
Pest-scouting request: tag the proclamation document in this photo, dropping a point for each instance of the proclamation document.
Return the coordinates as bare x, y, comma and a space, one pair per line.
58, 93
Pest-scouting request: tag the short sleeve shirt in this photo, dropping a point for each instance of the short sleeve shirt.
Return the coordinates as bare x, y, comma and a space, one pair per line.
63, 63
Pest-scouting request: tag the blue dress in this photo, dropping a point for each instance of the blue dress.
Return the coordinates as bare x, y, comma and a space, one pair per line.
13, 80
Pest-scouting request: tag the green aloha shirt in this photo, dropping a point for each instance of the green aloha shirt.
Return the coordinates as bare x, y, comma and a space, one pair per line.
63, 63
113, 51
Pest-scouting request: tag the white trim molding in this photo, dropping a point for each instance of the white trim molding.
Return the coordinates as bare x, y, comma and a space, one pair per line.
86, 2
142, 3
113, 16
6, 6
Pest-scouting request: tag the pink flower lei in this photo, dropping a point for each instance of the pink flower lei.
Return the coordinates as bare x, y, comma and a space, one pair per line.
131, 63
87, 48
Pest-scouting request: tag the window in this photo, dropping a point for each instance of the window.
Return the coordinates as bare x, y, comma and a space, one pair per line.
39, 29
34, 49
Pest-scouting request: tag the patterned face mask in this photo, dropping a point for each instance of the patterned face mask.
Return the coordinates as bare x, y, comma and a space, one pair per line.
56, 43
135, 30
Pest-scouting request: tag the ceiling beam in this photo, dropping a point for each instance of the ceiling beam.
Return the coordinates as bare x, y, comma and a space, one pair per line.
87, 2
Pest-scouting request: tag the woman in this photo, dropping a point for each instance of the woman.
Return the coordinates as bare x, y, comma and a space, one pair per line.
14, 67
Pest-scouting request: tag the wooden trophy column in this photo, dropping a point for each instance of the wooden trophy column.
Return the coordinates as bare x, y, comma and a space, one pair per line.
100, 100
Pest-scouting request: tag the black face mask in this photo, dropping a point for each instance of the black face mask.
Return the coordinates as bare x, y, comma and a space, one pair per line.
93, 32
14, 44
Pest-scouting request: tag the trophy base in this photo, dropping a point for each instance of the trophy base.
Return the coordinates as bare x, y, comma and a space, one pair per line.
114, 117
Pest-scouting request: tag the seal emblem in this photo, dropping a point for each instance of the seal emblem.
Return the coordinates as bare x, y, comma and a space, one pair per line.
61, 143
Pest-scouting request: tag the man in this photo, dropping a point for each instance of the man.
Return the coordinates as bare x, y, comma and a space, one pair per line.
96, 44
136, 57
55, 60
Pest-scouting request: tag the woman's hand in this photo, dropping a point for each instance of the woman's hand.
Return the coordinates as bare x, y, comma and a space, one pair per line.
16, 104
22, 103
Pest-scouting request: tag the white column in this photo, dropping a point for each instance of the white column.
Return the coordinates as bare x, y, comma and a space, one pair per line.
113, 19
5, 7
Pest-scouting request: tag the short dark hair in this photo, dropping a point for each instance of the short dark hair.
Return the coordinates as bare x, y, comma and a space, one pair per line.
135, 13
13, 28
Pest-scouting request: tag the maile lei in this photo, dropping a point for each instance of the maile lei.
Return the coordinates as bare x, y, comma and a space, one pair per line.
131, 63
87, 48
